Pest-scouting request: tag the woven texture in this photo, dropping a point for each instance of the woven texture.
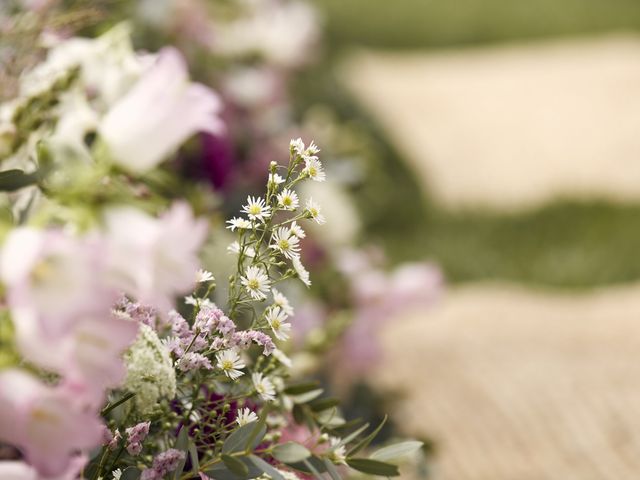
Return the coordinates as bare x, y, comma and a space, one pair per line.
518, 385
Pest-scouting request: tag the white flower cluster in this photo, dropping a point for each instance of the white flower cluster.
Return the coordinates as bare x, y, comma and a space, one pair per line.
150, 372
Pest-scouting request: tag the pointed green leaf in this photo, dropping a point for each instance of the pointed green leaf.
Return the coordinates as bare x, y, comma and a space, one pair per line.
307, 396
373, 467
237, 441
235, 465
290, 452
364, 443
397, 450
331, 468
300, 388
182, 444
266, 468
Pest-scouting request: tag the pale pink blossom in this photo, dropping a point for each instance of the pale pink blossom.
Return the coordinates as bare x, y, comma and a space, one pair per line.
48, 424
161, 111
154, 259
19, 470
88, 355
56, 275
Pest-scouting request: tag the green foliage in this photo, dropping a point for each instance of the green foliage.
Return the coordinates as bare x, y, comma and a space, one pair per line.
436, 23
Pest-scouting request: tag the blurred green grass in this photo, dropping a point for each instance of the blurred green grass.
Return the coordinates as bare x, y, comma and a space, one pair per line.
568, 243
439, 23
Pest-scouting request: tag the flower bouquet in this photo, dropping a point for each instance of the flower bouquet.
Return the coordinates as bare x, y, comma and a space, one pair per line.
115, 362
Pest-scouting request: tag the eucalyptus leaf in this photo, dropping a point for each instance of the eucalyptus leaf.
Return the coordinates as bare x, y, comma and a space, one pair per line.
221, 472
397, 450
313, 470
331, 468
364, 443
307, 397
193, 454
182, 444
299, 388
324, 404
373, 467
266, 468
130, 473
290, 452
235, 465
237, 441
15, 179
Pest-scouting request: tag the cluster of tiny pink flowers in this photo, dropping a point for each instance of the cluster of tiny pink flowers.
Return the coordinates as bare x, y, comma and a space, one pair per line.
244, 339
163, 463
135, 437
139, 312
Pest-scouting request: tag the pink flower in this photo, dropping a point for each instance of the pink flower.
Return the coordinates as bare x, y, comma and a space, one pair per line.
54, 274
135, 437
161, 111
18, 470
48, 424
88, 355
154, 259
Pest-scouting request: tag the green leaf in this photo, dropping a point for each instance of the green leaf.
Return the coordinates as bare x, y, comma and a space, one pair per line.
364, 443
313, 470
238, 440
195, 461
324, 404
12, 180
299, 388
307, 397
373, 467
290, 452
235, 465
182, 444
314, 461
221, 472
130, 473
397, 450
266, 468
331, 468
353, 435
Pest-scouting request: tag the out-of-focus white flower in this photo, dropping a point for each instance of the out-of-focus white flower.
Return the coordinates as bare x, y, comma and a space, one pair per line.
230, 363
288, 199
337, 452
302, 272
245, 416
251, 87
234, 247
314, 170
275, 179
285, 242
256, 282
238, 222
54, 274
150, 372
203, 276
161, 111
154, 260
276, 318
282, 358
263, 386
314, 212
257, 209
281, 32
279, 300
297, 230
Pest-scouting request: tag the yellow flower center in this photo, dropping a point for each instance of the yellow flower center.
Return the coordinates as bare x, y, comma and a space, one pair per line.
253, 284
227, 365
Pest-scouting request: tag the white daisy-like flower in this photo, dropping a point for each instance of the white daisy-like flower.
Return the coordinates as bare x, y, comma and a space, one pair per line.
314, 170
257, 282
277, 320
230, 363
337, 452
297, 230
296, 146
256, 208
263, 386
288, 199
282, 358
116, 474
313, 211
312, 149
302, 272
275, 179
285, 242
203, 276
279, 300
191, 300
238, 222
234, 247
245, 416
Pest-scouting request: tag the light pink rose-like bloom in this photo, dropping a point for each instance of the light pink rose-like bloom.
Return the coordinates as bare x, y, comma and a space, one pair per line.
88, 355
161, 111
48, 424
18, 470
54, 274
154, 259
